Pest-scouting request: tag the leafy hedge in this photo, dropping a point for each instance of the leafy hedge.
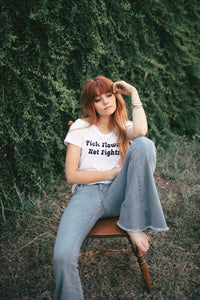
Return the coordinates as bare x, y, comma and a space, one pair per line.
49, 49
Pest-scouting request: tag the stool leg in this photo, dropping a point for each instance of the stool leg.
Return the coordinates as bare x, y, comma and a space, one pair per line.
143, 265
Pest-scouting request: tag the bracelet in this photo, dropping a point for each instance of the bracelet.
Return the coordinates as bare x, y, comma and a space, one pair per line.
136, 107
136, 104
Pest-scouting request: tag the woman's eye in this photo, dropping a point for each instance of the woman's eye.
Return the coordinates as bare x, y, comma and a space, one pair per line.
97, 100
109, 95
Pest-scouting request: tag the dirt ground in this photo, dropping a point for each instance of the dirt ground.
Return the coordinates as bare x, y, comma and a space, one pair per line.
27, 273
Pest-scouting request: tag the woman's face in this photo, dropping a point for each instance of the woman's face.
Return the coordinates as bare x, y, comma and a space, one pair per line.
105, 104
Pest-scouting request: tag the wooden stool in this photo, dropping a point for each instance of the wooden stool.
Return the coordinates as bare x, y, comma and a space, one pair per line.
107, 228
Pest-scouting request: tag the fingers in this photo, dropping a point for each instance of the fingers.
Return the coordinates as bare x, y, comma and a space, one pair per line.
126, 88
117, 170
120, 84
114, 172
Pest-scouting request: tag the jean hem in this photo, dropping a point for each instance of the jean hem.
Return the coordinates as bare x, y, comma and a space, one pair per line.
149, 228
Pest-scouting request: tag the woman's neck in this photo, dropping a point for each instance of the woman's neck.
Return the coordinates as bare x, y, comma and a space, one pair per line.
104, 125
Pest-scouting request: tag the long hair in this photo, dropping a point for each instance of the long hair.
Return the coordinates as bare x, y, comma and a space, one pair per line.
101, 84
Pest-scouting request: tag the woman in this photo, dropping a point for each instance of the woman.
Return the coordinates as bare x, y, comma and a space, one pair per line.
110, 163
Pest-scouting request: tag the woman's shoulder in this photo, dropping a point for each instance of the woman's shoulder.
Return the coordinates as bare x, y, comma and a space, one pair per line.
76, 133
80, 123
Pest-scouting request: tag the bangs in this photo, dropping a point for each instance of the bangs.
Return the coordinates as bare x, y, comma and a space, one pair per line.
99, 86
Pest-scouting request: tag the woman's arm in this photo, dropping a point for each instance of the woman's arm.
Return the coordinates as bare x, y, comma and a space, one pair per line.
140, 126
73, 175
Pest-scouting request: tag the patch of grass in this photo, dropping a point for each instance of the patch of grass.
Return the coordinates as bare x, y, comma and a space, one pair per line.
180, 160
29, 233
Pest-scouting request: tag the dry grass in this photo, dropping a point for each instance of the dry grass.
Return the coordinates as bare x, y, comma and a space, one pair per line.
173, 259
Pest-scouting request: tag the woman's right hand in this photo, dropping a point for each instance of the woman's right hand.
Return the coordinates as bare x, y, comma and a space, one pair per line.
114, 172
74, 175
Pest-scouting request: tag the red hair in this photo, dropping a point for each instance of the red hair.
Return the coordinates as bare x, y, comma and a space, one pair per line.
101, 85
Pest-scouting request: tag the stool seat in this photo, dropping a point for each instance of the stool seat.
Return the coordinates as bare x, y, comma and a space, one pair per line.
107, 227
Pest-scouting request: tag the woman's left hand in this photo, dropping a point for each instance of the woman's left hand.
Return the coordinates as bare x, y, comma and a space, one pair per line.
138, 115
127, 89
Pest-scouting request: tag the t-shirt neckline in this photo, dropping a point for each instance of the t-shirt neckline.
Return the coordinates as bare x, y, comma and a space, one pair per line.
101, 133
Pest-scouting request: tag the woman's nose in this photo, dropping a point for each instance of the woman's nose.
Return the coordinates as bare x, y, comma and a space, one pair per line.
105, 101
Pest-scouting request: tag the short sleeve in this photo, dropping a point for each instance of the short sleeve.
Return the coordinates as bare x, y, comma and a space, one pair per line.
76, 133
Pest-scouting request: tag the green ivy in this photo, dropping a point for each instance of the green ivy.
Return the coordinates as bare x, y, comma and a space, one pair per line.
50, 48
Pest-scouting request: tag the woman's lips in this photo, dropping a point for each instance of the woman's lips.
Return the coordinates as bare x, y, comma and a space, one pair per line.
107, 107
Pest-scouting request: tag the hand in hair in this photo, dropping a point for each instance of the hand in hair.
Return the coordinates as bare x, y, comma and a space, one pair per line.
127, 88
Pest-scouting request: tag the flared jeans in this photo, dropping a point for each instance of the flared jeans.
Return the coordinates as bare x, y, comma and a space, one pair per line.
132, 196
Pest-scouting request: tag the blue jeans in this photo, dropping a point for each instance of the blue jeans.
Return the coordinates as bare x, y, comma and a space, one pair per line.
132, 196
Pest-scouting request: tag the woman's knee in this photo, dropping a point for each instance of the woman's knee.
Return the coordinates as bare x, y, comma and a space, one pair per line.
65, 256
142, 150
144, 145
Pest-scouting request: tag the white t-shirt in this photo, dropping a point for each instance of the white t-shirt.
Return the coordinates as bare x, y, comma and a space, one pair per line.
99, 151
